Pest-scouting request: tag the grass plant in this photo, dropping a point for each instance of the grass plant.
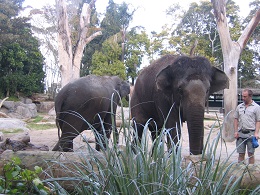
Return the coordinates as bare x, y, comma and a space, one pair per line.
149, 168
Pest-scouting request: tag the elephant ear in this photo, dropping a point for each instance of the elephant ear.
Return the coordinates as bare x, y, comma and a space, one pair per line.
164, 80
124, 89
219, 80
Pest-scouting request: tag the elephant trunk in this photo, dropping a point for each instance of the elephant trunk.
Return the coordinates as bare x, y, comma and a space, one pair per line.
195, 123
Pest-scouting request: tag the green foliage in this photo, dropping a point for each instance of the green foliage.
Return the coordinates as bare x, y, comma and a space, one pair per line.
12, 131
17, 180
136, 46
34, 124
145, 169
198, 23
107, 61
113, 25
157, 43
21, 63
41, 126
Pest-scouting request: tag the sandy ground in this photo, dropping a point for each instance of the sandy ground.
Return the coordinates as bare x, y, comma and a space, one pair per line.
225, 149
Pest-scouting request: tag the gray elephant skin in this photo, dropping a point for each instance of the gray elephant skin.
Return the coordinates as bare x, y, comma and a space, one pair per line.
176, 88
87, 100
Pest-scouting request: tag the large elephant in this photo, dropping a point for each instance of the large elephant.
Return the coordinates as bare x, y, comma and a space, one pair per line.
176, 88
87, 100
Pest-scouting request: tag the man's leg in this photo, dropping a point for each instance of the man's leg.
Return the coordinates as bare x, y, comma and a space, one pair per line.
241, 149
241, 157
251, 158
250, 151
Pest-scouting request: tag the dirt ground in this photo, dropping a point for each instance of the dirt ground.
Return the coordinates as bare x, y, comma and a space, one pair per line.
225, 149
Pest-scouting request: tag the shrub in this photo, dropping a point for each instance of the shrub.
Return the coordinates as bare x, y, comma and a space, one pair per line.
16, 180
143, 169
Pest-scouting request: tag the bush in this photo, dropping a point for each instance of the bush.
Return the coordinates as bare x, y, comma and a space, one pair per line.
17, 180
143, 169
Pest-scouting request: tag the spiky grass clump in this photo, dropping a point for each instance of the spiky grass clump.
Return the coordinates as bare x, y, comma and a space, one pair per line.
148, 168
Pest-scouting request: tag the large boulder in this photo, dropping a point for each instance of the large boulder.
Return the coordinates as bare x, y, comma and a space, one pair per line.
45, 107
23, 109
12, 124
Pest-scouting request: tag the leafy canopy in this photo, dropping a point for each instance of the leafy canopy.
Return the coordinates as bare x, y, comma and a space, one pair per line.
21, 63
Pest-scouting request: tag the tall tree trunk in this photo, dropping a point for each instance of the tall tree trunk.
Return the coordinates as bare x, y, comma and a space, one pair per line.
231, 52
69, 59
64, 43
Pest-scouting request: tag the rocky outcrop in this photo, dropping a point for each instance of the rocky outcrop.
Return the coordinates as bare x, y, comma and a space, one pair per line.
21, 110
12, 124
26, 108
45, 107
21, 142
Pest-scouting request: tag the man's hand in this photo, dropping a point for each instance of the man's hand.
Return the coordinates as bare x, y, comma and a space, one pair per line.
256, 135
236, 135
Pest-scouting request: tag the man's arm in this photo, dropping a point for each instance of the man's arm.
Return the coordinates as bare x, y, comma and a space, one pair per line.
257, 126
236, 128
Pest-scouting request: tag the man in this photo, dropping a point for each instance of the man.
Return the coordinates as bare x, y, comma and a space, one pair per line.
246, 124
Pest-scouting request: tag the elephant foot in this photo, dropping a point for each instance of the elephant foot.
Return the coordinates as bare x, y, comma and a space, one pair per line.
63, 147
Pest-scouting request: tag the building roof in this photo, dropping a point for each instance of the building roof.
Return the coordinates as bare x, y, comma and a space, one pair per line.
256, 91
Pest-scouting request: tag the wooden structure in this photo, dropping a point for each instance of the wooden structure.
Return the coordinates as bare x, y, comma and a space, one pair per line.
216, 99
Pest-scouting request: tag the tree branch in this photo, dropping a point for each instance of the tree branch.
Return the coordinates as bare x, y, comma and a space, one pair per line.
243, 39
90, 38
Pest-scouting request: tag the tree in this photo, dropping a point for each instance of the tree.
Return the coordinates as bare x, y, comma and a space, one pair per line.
136, 46
44, 27
107, 61
157, 42
231, 52
70, 57
249, 65
115, 22
21, 63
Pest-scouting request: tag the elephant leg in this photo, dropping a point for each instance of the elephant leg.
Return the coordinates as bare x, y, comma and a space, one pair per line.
103, 132
71, 127
173, 134
155, 132
137, 134
108, 121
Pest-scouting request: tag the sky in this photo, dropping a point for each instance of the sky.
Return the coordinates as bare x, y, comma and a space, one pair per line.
150, 14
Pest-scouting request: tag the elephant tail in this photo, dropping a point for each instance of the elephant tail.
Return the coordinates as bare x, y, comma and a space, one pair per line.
58, 125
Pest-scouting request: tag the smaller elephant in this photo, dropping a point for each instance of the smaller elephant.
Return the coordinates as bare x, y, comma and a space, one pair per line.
88, 101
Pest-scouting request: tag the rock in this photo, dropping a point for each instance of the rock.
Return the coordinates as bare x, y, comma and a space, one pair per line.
24, 111
22, 137
120, 112
10, 105
16, 145
44, 107
12, 124
1, 136
52, 112
26, 100
3, 115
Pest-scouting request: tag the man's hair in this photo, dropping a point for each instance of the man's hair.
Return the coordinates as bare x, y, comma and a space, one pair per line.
249, 92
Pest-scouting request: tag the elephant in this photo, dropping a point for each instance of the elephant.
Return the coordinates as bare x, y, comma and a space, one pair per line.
176, 88
87, 102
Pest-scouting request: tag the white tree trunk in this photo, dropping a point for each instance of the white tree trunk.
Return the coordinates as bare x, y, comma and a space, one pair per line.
64, 43
69, 60
231, 52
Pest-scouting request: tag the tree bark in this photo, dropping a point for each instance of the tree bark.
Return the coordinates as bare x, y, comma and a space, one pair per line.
69, 59
231, 53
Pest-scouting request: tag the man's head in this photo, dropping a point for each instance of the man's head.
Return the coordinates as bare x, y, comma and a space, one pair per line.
247, 95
